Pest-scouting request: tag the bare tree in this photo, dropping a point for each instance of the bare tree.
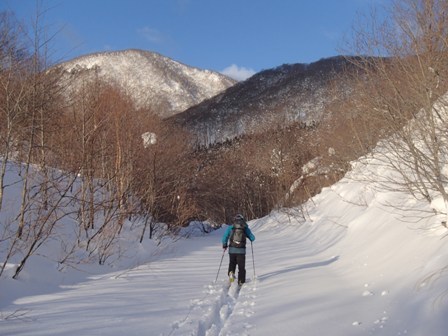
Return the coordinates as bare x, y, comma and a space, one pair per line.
29, 97
38, 109
164, 173
12, 90
404, 94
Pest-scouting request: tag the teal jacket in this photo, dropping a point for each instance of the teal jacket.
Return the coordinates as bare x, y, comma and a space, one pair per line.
236, 250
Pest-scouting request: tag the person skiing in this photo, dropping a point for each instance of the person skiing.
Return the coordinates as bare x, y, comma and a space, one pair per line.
235, 238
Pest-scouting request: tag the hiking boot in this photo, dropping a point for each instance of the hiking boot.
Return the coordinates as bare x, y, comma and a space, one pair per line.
231, 276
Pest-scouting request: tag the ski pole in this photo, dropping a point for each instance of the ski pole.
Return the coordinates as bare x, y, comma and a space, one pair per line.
253, 258
223, 252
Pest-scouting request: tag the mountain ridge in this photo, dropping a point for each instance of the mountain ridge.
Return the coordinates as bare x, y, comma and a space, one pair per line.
271, 98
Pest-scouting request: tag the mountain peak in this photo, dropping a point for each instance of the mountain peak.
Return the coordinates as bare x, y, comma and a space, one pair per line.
152, 80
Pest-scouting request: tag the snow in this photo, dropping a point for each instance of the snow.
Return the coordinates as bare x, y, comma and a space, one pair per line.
150, 78
346, 263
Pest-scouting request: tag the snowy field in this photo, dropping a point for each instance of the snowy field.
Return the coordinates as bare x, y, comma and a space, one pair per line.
352, 266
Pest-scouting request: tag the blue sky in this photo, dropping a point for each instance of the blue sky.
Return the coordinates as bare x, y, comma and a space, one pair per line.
244, 35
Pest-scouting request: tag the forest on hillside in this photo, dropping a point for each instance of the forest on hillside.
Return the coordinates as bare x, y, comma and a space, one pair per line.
89, 154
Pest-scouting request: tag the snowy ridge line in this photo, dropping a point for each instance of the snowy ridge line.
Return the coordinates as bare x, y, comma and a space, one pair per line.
211, 315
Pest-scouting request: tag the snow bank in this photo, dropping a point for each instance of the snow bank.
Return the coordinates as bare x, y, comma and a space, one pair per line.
350, 262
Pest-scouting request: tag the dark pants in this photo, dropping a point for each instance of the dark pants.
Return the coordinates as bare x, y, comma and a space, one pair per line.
240, 260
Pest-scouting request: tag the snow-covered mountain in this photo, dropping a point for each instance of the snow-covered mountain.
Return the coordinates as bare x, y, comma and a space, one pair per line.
165, 86
270, 98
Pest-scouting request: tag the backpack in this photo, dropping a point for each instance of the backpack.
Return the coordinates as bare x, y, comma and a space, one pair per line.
238, 235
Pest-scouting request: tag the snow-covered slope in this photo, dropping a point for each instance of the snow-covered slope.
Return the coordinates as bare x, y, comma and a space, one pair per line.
348, 263
269, 99
152, 80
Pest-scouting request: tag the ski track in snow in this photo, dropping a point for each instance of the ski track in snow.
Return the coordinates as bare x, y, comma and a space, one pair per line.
221, 306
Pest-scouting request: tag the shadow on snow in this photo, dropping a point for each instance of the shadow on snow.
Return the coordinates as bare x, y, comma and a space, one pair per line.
298, 267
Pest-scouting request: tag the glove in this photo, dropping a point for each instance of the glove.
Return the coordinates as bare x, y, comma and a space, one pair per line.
224, 246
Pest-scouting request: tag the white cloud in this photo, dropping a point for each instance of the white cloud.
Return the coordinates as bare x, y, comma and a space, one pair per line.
238, 73
151, 34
